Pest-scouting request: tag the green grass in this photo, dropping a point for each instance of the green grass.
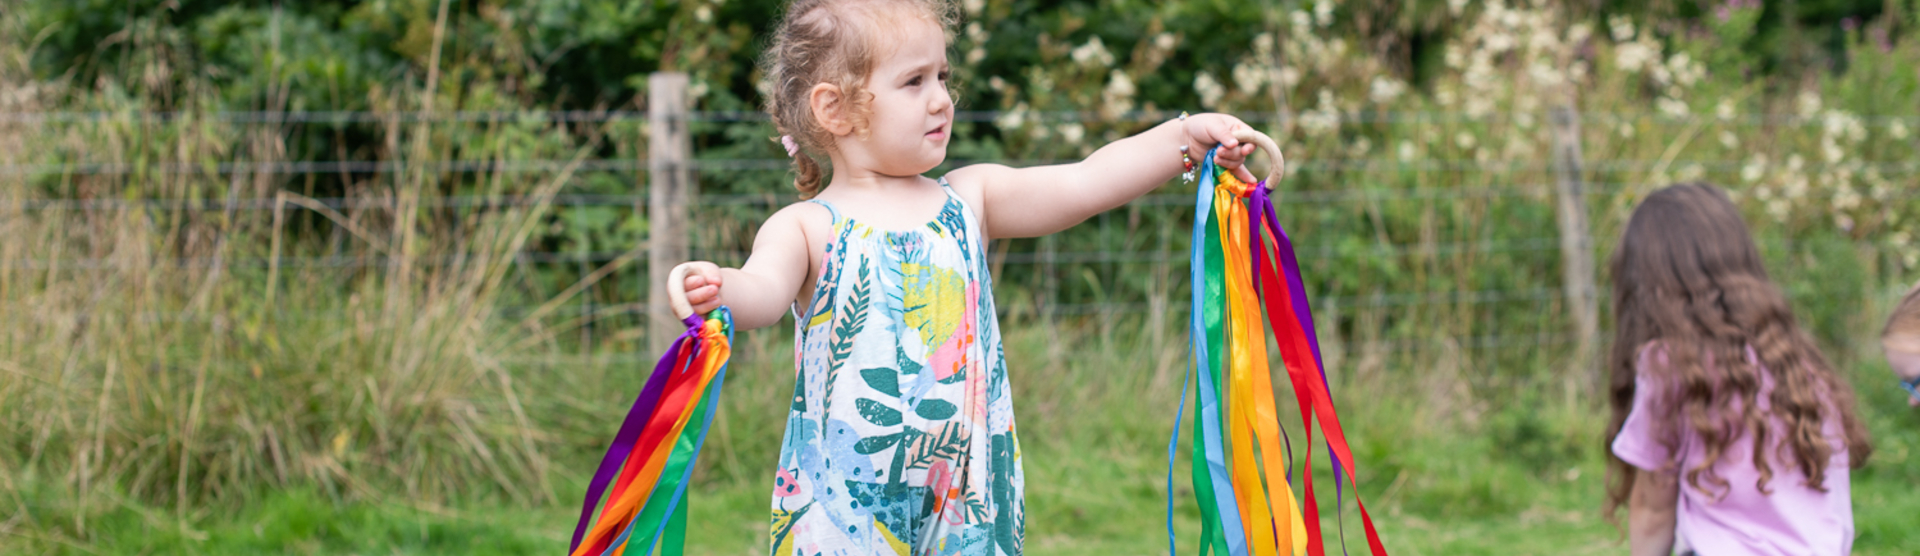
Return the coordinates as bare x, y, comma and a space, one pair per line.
1525, 479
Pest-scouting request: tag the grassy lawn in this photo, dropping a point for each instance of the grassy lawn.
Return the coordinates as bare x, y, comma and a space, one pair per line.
1086, 495
1520, 477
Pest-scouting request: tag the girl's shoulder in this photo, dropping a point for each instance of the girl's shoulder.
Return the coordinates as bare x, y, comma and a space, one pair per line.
805, 215
970, 183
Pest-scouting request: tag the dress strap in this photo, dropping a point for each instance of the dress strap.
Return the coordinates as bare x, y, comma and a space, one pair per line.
830, 210
948, 188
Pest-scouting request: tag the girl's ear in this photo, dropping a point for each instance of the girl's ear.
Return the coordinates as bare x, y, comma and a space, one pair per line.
830, 109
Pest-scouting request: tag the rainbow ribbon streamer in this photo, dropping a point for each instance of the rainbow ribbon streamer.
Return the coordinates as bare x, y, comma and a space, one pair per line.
654, 452
1233, 273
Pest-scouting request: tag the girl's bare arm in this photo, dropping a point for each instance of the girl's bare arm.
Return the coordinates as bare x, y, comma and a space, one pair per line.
1650, 512
760, 291
1027, 202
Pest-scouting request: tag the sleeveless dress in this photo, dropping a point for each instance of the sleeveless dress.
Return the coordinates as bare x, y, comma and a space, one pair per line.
900, 440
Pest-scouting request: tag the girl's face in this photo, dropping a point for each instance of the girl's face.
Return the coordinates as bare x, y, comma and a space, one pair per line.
1905, 363
912, 113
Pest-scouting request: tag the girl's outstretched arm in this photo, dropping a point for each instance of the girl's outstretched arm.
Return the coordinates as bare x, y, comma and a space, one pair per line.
760, 291
1650, 512
1027, 202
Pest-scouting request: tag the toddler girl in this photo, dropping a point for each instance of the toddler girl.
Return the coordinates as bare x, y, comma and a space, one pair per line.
1900, 341
1731, 435
900, 435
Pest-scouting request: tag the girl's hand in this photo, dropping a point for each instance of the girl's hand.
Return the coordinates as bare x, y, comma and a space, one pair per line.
1206, 130
703, 286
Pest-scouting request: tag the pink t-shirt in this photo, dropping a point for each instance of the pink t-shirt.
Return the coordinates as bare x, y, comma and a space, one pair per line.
1794, 520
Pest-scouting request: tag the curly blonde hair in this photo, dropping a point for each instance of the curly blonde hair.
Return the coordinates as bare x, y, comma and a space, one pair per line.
835, 42
1903, 326
1686, 274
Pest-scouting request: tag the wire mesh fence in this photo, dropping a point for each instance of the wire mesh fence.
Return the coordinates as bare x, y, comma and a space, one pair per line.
1438, 246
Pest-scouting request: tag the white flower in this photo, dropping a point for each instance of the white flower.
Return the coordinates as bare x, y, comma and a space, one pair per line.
1407, 151
1093, 54
1795, 188
1544, 74
1289, 77
1209, 89
1012, 119
1362, 146
976, 54
1632, 57
1542, 40
1385, 89
1620, 27
1724, 110
1808, 103
1682, 67
1479, 106
996, 83
1163, 41
1118, 95
1729, 140
1754, 168
1466, 141
1499, 42
1831, 151
1300, 19
1072, 133
1844, 222
703, 14
1778, 208
1454, 56
973, 7
1323, 12
1579, 33
1899, 239
1454, 6
1671, 107
1845, 198
1323, 118
1249, 76
1626, 130
1795, 163
1577, 71
1897, 129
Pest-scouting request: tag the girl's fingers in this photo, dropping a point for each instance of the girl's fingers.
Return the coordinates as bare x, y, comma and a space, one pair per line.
704, 299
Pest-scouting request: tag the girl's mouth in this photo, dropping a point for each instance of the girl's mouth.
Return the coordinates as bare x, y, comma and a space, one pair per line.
937, 132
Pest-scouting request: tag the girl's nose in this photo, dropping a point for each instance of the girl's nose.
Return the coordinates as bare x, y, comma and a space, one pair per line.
942, 100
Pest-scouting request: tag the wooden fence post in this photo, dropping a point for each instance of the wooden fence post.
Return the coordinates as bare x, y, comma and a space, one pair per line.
1576, 243
670, 194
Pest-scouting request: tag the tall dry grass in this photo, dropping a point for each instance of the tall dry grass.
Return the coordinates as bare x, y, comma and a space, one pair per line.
162, 343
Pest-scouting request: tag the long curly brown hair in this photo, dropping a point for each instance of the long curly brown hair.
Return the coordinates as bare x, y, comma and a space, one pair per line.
1687, 274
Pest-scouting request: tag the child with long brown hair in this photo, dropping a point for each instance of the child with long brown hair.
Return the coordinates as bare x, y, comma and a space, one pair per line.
1730, 434
1900, 342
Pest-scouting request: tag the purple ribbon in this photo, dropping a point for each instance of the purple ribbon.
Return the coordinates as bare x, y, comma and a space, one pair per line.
643, 407
1302, 311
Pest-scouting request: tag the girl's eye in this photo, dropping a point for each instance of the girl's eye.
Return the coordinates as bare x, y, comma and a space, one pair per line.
915, 82
944, 75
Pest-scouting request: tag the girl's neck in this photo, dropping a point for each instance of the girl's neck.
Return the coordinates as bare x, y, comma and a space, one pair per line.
854, 178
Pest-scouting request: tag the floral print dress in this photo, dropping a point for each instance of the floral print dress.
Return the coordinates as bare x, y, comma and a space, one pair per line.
900, 440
